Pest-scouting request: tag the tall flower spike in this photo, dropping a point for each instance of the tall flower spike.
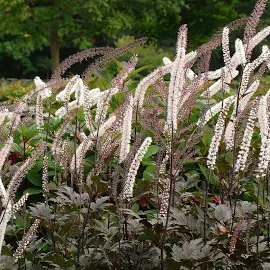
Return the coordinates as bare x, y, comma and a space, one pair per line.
16, 207
245, 144
5, 151
249, 68
87, 143
177, 81
126, 131
22, 171
264, 155
25, 240
240, 51
259, 37
3, 192
119, 80
39, 113
225, 46
45, 174
4, 219
70, 88
130, 180
165, 182
253, 22
103, 105
89, 100
214, 110
79, 91
42, 88
147, 81
213, 149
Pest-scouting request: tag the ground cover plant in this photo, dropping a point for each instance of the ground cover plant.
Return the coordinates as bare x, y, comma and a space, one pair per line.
168, 173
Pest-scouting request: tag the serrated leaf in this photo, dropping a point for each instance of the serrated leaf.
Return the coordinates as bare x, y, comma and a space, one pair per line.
222, 213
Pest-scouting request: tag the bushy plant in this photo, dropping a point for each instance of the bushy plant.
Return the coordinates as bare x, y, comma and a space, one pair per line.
14, 90
169, 174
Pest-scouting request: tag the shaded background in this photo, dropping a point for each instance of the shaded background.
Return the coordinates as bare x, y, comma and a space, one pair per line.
36, 34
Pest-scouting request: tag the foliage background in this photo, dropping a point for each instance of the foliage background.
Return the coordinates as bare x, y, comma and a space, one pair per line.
32, 32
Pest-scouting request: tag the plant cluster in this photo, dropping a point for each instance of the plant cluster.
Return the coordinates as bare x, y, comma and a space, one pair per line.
169, 173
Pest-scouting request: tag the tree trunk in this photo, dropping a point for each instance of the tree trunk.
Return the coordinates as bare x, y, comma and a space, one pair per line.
55, 50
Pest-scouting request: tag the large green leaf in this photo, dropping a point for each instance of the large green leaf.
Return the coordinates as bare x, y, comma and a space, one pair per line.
212, 179
152, 150
34, 177
149, 173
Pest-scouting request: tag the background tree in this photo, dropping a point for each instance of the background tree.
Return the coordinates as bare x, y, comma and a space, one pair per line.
31, 25
36, 34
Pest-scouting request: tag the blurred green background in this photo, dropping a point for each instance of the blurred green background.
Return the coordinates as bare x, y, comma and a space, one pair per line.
36, 34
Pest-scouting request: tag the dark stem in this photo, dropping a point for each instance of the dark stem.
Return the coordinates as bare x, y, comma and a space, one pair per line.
268, 226
81, 237
258, 222
169, 204
75, 147
205, 204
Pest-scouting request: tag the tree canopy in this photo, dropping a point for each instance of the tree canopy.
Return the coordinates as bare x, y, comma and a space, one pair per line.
35, 35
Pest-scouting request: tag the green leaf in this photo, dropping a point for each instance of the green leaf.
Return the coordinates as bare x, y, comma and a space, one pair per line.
149, 173
148, 163
32, 191
58, 260
29, 132
212, 179
34, 177
17, 148
138, 70
120, 98
52, 165
135, 208
206, 136
33, 140
152, 150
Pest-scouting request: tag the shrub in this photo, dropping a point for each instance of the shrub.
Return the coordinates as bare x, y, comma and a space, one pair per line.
14, 90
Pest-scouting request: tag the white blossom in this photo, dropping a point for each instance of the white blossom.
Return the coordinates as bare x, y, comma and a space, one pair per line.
166, 61
219, 84
264, 155
130, 180
126, 132
18, 205
225, 46
245, 144
87, 143
5, 151
61, 112
219, 128
70, 88
42, 88
149, 80
165, 182
240, 51
103, 105
214, 110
